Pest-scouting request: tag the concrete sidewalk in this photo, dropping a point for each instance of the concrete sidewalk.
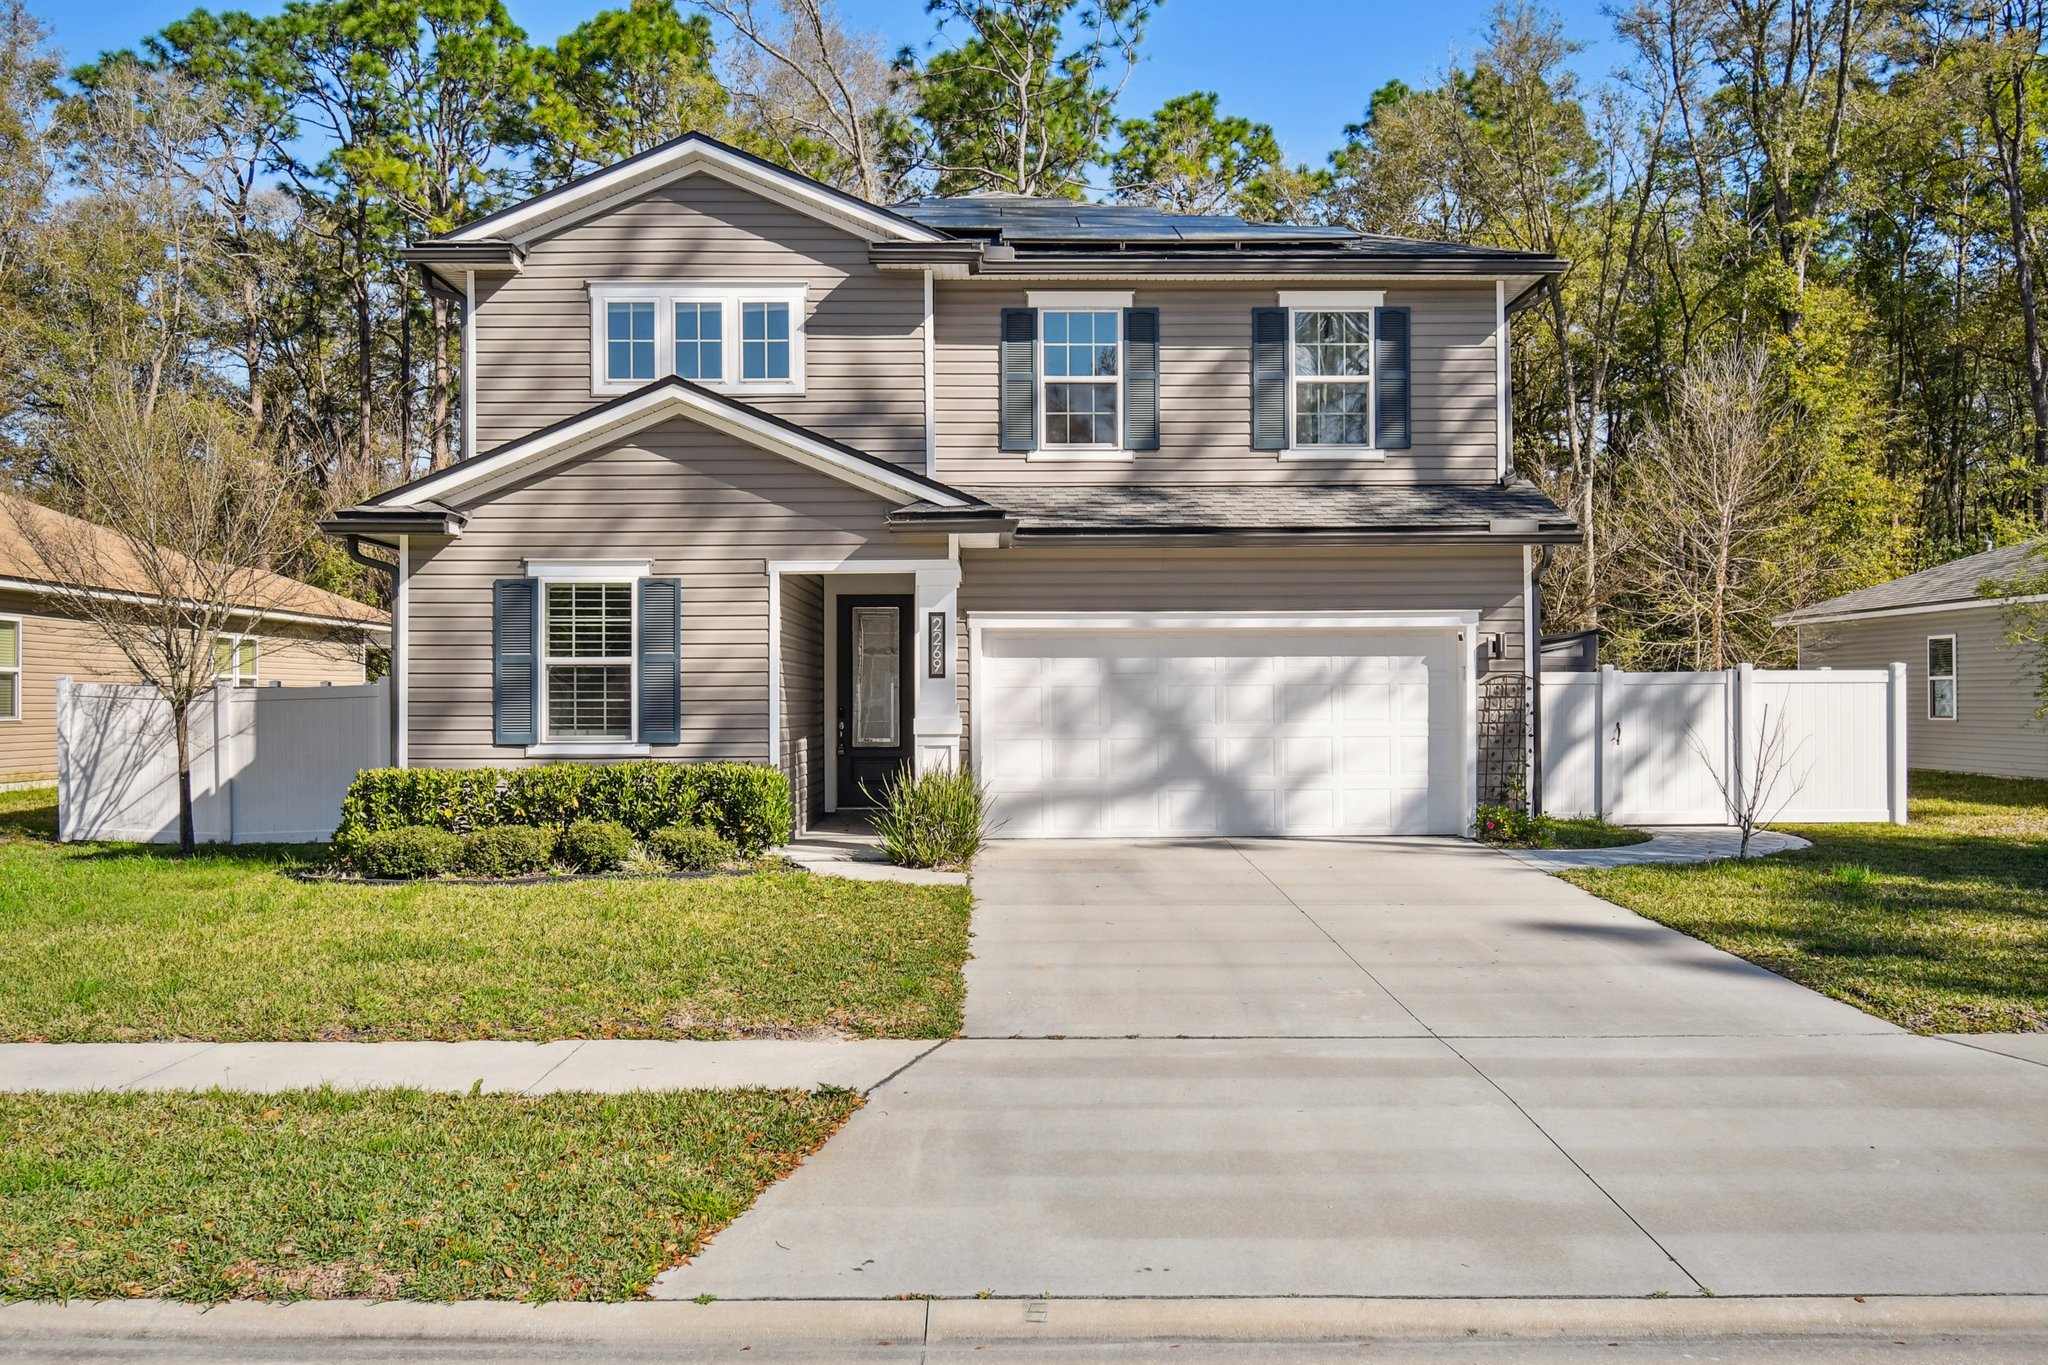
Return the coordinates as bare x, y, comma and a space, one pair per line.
1666, 844
602, 1065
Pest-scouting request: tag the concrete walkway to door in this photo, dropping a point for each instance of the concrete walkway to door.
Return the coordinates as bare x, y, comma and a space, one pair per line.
1392, 1068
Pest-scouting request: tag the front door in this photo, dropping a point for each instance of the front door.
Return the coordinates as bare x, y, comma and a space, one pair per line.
874, 687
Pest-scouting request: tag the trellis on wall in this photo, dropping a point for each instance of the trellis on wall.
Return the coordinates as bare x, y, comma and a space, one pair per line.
1503, 703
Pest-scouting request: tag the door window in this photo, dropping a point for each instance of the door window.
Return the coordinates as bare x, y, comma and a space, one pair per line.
877, 677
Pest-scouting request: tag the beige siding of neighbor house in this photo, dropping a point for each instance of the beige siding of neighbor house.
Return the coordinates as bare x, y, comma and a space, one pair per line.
1205, 392
864, 343
1055, 579
56, 646
1994, 730
803, 693
701, 506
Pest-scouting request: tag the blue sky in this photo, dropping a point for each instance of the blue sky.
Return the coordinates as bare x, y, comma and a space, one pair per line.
1304, 66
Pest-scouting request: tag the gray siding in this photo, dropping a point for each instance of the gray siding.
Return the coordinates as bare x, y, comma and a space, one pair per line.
1307, 579
803, 693
1205, 392
1994, 730
864, 354
698, 504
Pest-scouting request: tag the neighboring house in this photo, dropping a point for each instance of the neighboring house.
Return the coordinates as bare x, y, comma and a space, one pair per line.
1166, 525
1972, 695
302, 637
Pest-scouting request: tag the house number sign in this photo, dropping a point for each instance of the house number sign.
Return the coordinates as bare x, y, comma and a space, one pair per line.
935, 644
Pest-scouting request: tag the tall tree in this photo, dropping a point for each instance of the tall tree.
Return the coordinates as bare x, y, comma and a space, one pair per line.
619, 83
1189, 159
1023, 101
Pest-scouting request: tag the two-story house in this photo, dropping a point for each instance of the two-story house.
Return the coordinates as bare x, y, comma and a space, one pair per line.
1166, 525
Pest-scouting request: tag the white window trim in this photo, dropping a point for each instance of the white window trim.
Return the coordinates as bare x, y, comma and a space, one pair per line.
1047, 452
1297, 301
19, 668
234, 675
1953, 678
730, 298
619, 746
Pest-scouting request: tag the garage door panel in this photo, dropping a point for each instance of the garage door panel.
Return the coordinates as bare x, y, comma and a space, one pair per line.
1138, 732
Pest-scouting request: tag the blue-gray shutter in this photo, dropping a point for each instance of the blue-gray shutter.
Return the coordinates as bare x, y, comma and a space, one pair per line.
661, 661
1390, 361
1019, 381
515, 665
1269, 379
1141, 379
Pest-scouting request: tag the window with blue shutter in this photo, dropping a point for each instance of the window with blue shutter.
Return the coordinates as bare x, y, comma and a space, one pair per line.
1390, 360
661, 661
515, 628
1018, 380
1141, 379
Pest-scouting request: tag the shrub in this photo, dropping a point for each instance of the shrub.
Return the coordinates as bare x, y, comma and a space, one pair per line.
692, 848
596, 845
935, 819
506, 850
406, 852
746, 802
1507, 825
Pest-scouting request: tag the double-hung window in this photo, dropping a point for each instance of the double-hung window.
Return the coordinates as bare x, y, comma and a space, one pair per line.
10, 668
1941, 677
1081, 361
234, 659
1332, 377
737, 338
587, 661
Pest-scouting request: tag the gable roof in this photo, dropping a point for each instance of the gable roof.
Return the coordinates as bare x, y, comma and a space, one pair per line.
23, 567
690, 154
1951, 584
644, 407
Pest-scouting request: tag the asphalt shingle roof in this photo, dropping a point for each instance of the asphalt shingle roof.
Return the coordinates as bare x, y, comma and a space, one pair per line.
1265, 507
1955, 581
1022, 218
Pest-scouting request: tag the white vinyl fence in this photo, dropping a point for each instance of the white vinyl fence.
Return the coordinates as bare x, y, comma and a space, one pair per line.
269, 764
1653, 748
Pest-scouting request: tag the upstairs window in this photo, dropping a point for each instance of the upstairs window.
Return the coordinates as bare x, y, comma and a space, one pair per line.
1333, 378
1941, 677
1330, 375
1082, 352
738, 338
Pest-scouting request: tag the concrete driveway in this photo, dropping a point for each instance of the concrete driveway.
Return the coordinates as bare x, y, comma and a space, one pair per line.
1394, 1068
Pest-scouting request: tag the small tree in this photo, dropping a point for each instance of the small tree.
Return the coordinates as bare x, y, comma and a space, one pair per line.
1750, 786
179, 512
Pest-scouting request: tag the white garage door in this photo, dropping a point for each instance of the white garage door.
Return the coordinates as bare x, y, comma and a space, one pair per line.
1132, 732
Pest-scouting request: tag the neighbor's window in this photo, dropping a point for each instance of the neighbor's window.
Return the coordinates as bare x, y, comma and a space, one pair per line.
1941, 677
629, 341
1081, 354
764, 346
1332, 378
732, 337
10, 668
700, 341
234, 660
587, 652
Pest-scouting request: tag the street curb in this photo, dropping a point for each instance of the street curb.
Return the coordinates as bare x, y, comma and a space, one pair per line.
867, 1323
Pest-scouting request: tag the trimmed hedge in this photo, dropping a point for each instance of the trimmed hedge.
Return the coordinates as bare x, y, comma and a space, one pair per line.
506, 850
745, 802
595, 845
405, 853
692, 848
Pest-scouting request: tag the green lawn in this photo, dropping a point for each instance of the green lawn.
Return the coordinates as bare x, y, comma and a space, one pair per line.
1940, 925
119, 942
381, 1194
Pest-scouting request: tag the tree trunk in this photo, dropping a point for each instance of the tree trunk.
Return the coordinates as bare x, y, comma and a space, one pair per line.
2012, 167
365, 392
181, 723
443, 331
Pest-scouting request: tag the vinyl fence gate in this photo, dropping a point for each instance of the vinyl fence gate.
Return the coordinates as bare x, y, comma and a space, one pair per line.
1657, 748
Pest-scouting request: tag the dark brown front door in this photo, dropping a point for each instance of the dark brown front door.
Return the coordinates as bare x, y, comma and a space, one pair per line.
874, 686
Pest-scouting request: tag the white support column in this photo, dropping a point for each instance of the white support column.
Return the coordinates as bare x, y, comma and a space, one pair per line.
1895, 751
401, 654
936, 723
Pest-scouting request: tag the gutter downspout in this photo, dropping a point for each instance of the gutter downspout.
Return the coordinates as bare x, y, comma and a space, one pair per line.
354, 546
1536, 679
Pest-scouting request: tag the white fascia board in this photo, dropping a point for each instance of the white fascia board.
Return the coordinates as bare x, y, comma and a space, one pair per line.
632, 179
487, 472
1923, 609
1226, 620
